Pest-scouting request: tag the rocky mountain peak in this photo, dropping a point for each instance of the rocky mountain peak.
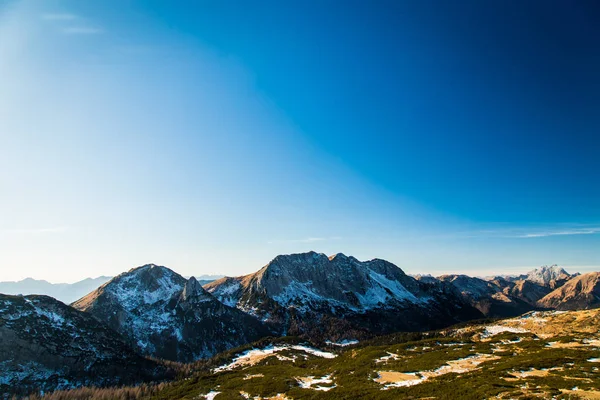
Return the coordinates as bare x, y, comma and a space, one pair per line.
193, 290
164, 315
548, 275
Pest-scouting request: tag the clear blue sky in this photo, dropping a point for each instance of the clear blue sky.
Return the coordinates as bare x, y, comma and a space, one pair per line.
212, 136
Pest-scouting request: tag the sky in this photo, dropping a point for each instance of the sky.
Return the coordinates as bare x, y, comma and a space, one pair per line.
211, 136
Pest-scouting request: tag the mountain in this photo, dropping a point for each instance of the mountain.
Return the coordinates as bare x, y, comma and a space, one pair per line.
551, 277
65, 292
164, 315
580, 292
45, 345
488, 296
528, 291
339, 297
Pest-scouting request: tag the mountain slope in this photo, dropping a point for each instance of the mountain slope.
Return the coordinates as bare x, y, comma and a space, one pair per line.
164, 315
45, 344
65, 292
340, 297
580, 292
527, 291
487, 296
540, 355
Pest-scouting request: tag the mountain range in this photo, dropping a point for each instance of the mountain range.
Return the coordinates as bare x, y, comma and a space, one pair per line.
65, 292
68, 292
151, 313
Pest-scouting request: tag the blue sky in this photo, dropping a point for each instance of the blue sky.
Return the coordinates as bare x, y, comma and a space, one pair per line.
212, 136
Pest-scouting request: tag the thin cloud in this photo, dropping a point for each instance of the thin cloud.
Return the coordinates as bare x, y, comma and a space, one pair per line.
529, 232
589, 231
72, 24
82, 30
59, 17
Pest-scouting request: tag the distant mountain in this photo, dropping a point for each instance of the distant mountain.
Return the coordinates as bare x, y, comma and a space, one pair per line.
507, 296
65, 292
47, 345
340, 297
551, 277
164, 315
528, 291
488, 296
580, 292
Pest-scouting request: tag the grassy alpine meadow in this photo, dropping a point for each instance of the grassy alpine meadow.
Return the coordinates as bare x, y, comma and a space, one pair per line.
518, 358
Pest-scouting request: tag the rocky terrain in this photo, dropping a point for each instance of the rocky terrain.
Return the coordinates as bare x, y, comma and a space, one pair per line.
505, 296
48, 345
580, 292
163, 315
338, 297
540, 355
489, 297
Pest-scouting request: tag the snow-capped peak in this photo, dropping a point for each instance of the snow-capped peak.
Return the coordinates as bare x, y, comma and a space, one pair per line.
545, 275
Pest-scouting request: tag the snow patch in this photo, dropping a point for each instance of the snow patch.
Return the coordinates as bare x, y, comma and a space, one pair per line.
343, 343
309, 382
254, 356
492, 330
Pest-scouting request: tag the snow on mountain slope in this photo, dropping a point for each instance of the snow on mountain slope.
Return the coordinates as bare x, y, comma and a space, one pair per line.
45, 344
298, 292
164, 315
552, 276
312, 279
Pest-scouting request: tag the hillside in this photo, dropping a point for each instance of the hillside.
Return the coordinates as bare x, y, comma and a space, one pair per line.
48, 345
580, 292
161, 314
539, 355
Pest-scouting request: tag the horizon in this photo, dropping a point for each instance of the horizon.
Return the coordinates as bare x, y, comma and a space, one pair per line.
514, 271
444, 138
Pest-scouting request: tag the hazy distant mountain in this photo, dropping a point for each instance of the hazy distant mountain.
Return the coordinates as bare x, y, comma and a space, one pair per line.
164, 315
340, 297
65, 292
45, 344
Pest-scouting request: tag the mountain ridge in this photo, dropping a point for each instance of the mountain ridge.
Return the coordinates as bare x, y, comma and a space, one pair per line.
164, 315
